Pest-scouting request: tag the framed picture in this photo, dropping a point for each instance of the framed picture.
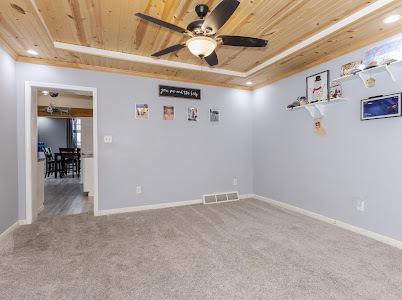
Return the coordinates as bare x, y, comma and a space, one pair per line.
351, 68
381, 107
168, 113
192, 114
317, 87
335, 90
142, 111
214, 115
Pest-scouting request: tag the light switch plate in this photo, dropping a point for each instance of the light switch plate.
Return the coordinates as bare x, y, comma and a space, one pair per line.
108, 139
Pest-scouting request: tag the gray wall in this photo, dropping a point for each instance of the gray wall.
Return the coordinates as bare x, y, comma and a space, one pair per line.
8, 157
171, 160
328, 175
52, 132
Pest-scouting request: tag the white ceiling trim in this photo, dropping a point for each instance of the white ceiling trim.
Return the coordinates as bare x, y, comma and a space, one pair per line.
143, 59
149, 60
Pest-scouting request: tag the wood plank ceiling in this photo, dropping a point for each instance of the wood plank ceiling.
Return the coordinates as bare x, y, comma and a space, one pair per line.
110, 25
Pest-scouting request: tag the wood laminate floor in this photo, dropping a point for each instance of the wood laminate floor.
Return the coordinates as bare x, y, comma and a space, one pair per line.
64, 196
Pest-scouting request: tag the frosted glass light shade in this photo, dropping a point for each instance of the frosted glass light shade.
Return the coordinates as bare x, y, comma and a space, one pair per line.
201, 46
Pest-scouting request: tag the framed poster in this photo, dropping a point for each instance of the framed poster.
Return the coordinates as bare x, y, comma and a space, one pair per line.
317, 87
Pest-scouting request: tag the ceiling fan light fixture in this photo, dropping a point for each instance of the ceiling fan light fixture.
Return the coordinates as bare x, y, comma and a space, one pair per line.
201, 46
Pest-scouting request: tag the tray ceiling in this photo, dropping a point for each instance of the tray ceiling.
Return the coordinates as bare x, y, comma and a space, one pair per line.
110, 25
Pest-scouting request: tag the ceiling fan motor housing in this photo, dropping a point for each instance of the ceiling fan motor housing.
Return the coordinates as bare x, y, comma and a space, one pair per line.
196, 26
202, 10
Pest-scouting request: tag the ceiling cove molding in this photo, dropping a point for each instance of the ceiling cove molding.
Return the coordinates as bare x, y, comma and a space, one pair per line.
143, 59
322, 34
173, 64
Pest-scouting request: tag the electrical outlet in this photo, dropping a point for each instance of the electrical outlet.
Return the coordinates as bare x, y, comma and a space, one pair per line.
361, 205
235, 181
138, 189
108, 139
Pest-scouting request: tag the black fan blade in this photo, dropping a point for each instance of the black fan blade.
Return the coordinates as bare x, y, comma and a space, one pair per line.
161, 23
169, 50
212, 59
242, 41
219, 16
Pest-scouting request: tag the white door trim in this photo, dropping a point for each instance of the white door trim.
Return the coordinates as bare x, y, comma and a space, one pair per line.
29, 85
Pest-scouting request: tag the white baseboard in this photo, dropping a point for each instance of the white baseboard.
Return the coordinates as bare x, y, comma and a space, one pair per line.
376, 236
146, 207
113, 211
9, 230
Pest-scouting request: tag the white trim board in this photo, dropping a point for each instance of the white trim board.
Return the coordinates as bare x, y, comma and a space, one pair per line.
146, 207
143, 59
367, 233
148, 60
122, 210
29, 85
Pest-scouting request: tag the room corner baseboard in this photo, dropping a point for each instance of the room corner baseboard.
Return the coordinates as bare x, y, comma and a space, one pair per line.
9, 230
113, 211
247, 196
22, 222
373, 235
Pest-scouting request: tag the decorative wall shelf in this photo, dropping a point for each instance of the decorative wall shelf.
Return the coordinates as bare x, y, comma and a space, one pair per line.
318, 109
365, 74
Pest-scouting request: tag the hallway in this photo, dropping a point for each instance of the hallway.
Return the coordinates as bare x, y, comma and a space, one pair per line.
64, 196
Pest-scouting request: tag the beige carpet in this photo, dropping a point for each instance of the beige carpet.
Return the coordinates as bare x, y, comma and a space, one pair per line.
240, 250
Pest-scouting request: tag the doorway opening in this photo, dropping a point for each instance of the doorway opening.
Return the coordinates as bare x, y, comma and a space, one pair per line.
61, 150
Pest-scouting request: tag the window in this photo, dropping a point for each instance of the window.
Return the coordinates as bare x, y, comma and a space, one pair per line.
77, 132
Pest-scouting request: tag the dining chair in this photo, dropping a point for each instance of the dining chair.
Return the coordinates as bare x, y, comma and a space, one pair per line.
51, 164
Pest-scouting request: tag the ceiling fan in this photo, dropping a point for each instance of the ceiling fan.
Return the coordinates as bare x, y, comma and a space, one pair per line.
202, 32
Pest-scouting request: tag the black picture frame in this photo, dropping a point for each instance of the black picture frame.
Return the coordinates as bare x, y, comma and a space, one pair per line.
179, 92
327, 73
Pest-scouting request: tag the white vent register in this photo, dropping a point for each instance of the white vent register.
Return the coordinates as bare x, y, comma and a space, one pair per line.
221, 197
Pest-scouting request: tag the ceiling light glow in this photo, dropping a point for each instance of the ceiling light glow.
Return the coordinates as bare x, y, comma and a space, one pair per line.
392, 19
249, 83
32, 52
45, 93
201, 46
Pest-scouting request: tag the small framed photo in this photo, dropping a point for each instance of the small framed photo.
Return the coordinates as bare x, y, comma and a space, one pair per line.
168, 113
335, 90
317, 87
192, 114
351, 68
142, 111
214, 115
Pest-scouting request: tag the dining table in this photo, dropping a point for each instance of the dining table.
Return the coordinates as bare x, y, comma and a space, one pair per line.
60, 159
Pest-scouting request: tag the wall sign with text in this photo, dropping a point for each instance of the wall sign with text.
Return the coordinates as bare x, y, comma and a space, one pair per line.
179, 92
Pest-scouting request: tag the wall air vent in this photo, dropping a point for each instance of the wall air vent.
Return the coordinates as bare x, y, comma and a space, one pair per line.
221, 197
